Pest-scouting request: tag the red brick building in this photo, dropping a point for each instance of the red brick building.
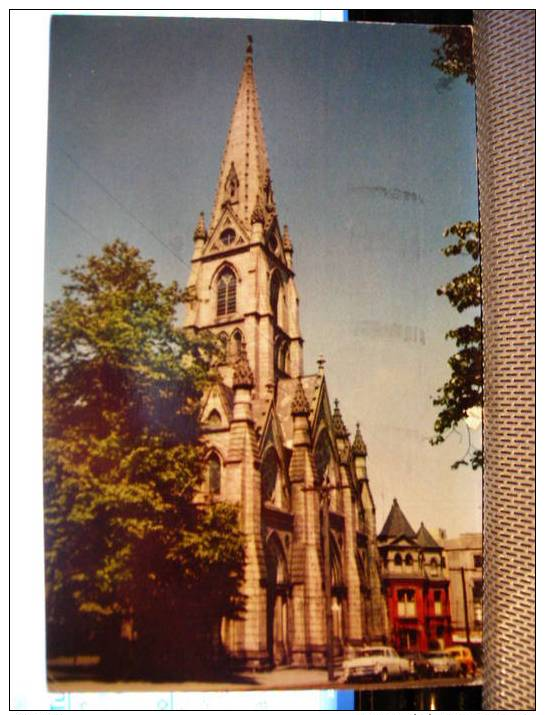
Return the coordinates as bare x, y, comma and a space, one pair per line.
416, 585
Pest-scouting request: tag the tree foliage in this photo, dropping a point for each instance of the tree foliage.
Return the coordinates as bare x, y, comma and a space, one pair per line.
463, 391
455, 56
130, 539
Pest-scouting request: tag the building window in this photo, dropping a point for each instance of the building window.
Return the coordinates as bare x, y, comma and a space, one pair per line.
227, 237
214, 474
235, 346
406, 604
272, 484
274, 295
477, 590
227, 293
214, 419
434, 567
477, 561
409, 561
398, 560
437, 603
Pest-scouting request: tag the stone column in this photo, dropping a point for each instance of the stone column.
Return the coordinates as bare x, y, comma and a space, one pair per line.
242, 463
309, 635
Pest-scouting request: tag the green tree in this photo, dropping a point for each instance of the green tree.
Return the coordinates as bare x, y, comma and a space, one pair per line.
133, 545
462, 393
455, 55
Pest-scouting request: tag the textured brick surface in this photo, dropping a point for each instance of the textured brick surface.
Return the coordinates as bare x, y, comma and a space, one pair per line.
505, 58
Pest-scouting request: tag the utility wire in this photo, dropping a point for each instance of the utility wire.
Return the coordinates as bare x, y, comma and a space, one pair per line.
122, 206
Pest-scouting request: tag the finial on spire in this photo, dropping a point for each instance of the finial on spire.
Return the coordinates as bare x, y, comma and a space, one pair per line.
250, 47
300, 405
257, 214
243, 375
286, 240
200, 230
321, 364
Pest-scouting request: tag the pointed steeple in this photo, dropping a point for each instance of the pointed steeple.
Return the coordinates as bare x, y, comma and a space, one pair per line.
300, 405
396, 524
286, 240
200, 230
244, 171
359, 448
339, 427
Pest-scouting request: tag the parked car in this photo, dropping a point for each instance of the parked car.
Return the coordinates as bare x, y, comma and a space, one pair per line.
443, 663
421, 667
464, 657
376, 663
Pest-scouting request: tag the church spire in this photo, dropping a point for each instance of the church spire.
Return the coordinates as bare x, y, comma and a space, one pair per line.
244, 172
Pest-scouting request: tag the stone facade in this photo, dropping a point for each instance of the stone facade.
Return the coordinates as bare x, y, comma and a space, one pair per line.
464, 556
273, 438
416, 584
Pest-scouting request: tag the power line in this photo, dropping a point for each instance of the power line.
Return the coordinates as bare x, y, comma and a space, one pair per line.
72, 219
122, 206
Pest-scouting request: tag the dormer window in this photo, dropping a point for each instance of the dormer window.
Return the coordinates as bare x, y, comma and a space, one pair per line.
227, 237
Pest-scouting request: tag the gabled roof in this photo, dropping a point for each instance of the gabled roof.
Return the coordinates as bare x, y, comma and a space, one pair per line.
425, 539
396, 524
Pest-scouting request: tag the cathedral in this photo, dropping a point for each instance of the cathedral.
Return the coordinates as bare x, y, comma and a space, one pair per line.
275, 444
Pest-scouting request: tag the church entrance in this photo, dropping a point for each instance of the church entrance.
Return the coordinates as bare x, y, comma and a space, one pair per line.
277, 602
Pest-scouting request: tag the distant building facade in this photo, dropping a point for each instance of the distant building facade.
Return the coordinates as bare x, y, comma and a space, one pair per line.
273, 437
464, 556
416, 585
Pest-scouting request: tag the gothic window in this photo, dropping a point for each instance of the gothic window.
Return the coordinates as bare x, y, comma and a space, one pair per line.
323, 456
214, 474
227, 237
227, 293
274, 294
235, 346
273, 488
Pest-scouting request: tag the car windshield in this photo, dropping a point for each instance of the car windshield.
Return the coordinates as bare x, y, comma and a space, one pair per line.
371, 651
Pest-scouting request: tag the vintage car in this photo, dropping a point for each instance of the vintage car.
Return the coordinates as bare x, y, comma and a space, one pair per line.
421, 667
443, 663
464, 657
375, 663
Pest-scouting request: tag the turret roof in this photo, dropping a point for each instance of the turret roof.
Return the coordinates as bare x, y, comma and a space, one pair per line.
396, 524
425, 539
245, 150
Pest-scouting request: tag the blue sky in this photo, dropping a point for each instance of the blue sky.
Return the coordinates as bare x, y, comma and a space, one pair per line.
372, 155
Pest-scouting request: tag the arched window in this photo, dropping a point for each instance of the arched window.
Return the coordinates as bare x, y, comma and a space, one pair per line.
274, 293
214, 419
235, 346
409, 560
398, 560
214, 474
227, 293
434, 566
273, 488
323, 456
